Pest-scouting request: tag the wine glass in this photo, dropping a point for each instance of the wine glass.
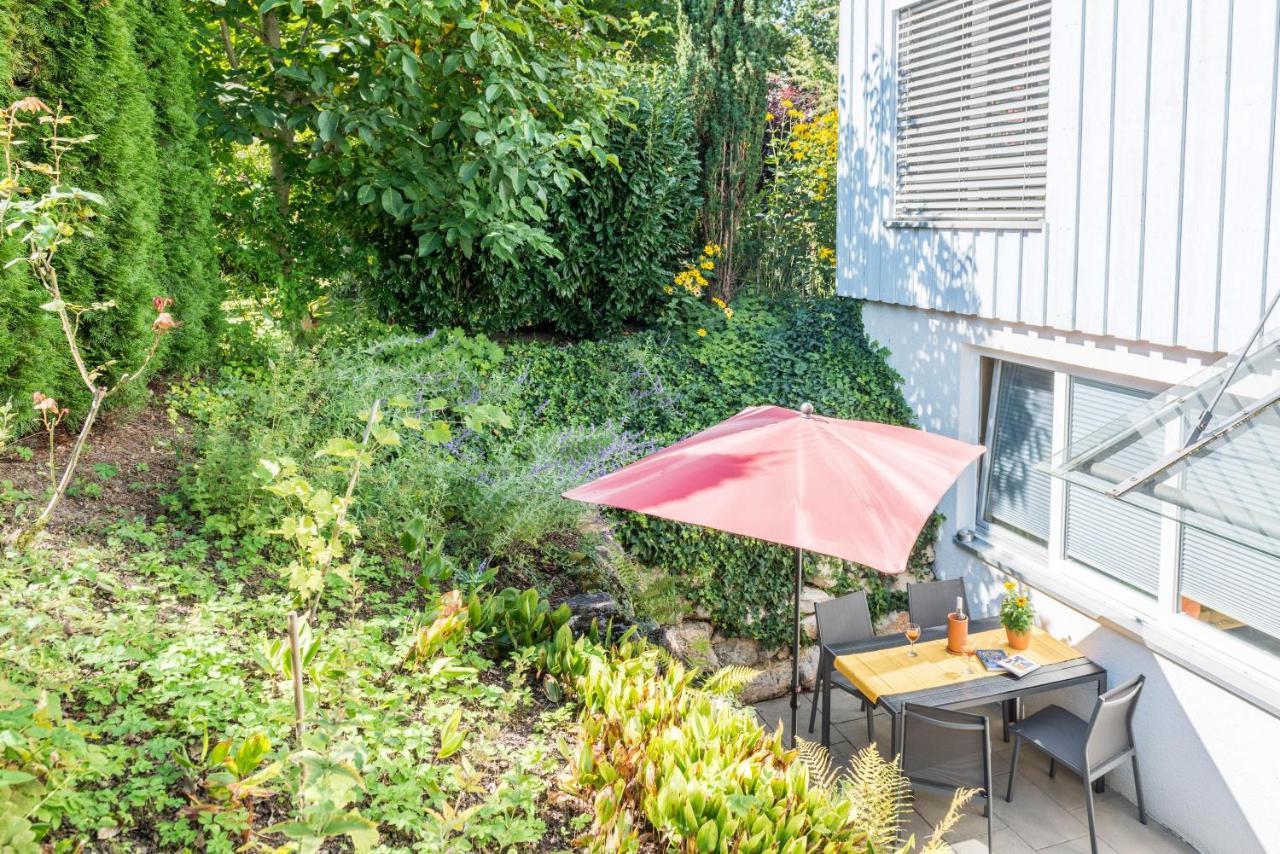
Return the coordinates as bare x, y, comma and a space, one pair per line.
970, 649
912, 631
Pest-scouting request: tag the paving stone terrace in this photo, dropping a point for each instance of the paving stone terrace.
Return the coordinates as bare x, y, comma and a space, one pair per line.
1047, 813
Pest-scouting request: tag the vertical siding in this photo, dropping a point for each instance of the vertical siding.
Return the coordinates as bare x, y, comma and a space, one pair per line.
1161, 221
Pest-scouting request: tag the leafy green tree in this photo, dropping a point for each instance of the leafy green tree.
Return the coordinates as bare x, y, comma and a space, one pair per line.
439, 130
727, 49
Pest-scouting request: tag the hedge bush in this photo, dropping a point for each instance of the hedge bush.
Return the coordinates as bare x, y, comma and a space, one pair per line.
120, 69
578, 410
620, 231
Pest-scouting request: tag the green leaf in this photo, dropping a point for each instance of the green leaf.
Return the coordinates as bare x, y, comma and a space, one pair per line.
385, 436
366, 195
468, 171
268, 5
393, 202
339, 447
473, 118
439, 130
327, 123
14, 778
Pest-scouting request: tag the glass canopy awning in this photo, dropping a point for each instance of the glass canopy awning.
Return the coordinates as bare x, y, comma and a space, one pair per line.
1206, 452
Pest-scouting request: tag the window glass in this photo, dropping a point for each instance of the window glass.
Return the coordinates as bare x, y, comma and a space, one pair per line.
1021, 438
1115, 538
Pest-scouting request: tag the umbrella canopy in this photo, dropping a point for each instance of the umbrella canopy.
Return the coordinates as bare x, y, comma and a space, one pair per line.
850, 489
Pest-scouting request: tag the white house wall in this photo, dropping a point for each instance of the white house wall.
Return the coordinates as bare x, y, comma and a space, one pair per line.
1210, 760
1161, 221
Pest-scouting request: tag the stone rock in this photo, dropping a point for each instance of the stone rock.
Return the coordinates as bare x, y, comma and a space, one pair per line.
740, 651
893, 622
691, 643
810, 596
809, 626
597, 606
701, 612
827, 571
775, 680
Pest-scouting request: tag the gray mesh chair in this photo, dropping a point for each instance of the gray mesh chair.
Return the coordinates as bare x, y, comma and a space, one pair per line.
842, 620
930, 602
947, 750
1091, 748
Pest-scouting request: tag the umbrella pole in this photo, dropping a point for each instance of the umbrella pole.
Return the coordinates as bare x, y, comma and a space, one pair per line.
795, 645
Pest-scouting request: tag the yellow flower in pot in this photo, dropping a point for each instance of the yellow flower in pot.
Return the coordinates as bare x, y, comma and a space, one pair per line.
1016, 615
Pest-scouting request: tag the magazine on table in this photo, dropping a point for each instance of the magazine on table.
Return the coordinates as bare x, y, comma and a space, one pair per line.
991, 659
1019, 665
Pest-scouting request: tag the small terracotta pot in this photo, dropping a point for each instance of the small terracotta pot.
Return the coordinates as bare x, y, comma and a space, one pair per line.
1018, 640
957, 633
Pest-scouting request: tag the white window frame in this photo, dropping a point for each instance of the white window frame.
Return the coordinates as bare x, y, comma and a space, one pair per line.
1034, 222
1157, 622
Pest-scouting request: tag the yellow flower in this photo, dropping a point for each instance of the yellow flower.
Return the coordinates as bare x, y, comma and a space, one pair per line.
768, 117
708, 264
728, 313
702, 333
718, 301
787, 103
670, 290
1021, 601
1010, 586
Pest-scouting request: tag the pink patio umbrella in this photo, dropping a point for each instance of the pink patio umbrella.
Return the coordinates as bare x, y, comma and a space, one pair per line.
855, 490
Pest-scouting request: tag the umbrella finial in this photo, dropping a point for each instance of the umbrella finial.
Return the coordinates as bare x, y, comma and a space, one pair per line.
806, 409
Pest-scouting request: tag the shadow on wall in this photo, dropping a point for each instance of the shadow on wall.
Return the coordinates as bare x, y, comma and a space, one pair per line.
905, 266
921, 267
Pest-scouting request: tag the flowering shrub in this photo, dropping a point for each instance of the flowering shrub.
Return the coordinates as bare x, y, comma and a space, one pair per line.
793, 227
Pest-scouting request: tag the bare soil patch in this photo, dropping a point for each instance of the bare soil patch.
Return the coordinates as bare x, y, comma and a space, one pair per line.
128, 466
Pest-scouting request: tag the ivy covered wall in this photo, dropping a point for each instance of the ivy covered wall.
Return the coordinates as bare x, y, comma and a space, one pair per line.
120, 68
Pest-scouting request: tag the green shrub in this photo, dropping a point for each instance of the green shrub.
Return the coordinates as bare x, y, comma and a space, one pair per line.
120, 69
578, 411
618, 232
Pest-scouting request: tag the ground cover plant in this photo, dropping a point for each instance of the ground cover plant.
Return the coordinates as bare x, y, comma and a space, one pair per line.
145, 704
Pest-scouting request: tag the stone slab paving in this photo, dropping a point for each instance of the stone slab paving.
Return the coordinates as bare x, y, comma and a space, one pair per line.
1047, 815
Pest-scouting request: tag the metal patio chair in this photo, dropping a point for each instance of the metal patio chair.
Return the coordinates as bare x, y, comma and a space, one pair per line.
948, 750
930, 602
1091, 748
846, 619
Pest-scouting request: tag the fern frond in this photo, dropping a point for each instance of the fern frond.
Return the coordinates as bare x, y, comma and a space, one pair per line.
881, 796
818, 760
665, 659
936, 845
729, 681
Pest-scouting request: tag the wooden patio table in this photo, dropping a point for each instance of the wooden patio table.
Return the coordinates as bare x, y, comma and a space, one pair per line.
860, 662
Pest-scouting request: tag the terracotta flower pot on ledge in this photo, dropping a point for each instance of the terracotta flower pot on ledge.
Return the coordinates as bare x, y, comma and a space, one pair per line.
1018, 640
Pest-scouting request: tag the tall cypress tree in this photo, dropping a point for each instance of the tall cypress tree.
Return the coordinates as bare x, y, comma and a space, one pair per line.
120, 69
726, 50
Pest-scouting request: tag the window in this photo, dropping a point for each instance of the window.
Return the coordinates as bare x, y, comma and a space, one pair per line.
1113, 538
972, 112
1227, 584
1020, 436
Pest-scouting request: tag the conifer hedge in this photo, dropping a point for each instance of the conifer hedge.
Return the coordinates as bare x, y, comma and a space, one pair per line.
121, 69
